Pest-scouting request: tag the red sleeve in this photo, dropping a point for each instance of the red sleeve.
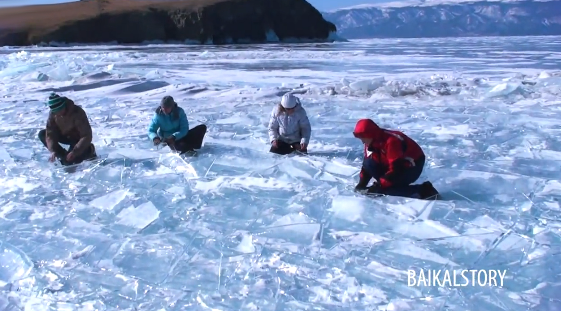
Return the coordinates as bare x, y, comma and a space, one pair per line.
394, 151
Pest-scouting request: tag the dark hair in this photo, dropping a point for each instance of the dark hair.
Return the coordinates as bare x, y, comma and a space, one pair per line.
174, 111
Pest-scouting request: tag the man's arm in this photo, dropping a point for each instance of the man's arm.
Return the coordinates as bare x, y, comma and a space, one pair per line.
305, 129
364, 177
273, 126
395, 156
84, 130
153, 128
183, 125
52, 135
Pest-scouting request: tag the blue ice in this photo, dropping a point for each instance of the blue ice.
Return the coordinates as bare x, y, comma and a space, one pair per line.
237, 228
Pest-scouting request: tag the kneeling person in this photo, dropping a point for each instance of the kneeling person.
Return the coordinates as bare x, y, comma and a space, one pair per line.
289, 126
170, 125
394, 160
67, 124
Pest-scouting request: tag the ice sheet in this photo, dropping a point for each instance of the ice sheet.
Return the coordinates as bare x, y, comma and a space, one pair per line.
237, 228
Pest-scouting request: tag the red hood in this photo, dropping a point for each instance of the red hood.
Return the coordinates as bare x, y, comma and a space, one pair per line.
366, 128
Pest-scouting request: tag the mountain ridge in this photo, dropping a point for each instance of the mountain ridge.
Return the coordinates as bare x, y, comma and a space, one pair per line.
448, 18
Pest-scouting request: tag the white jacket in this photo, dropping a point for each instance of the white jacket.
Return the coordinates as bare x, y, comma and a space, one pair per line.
294, 128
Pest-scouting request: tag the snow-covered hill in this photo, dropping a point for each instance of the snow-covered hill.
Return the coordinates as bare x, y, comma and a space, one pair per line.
448, 18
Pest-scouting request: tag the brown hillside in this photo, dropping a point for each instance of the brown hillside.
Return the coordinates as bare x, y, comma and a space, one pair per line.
50, 16
136, 21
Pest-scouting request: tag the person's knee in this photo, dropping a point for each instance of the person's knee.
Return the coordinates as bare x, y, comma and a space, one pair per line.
414, 174
373, 168
281, 149
42, 135
371, 165
199, 128
409, 176
420, 163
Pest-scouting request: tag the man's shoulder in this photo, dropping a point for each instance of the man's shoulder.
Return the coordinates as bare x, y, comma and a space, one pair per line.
80, 110
391, 139
77, 109
80, 113
301, 112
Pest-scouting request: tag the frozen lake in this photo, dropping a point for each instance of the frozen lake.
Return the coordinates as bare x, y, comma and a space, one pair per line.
238, 228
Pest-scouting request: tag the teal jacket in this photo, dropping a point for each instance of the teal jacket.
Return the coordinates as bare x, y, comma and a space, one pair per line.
164, 126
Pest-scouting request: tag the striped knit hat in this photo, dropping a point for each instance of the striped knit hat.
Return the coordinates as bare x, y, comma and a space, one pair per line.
56, 103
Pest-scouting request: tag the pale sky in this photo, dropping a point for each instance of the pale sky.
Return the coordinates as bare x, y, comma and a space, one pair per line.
322, 5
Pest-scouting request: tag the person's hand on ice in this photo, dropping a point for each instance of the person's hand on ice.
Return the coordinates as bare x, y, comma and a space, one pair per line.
170, 140
360, 187
374, 189
52, 157
362, 183
299, 147
157, 141
275, 143
70, 156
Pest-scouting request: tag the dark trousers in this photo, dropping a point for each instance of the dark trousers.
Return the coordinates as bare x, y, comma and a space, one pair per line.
61, 153
284, 148
193, 140
401, 181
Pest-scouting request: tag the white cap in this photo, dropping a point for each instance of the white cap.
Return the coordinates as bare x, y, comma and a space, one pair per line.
289, 101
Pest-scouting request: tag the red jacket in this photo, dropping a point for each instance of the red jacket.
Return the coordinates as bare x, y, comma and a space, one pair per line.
390, 149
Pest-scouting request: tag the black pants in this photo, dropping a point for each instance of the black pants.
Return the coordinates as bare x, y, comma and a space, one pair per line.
61, 153
402, 181
284, 148
193, 140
